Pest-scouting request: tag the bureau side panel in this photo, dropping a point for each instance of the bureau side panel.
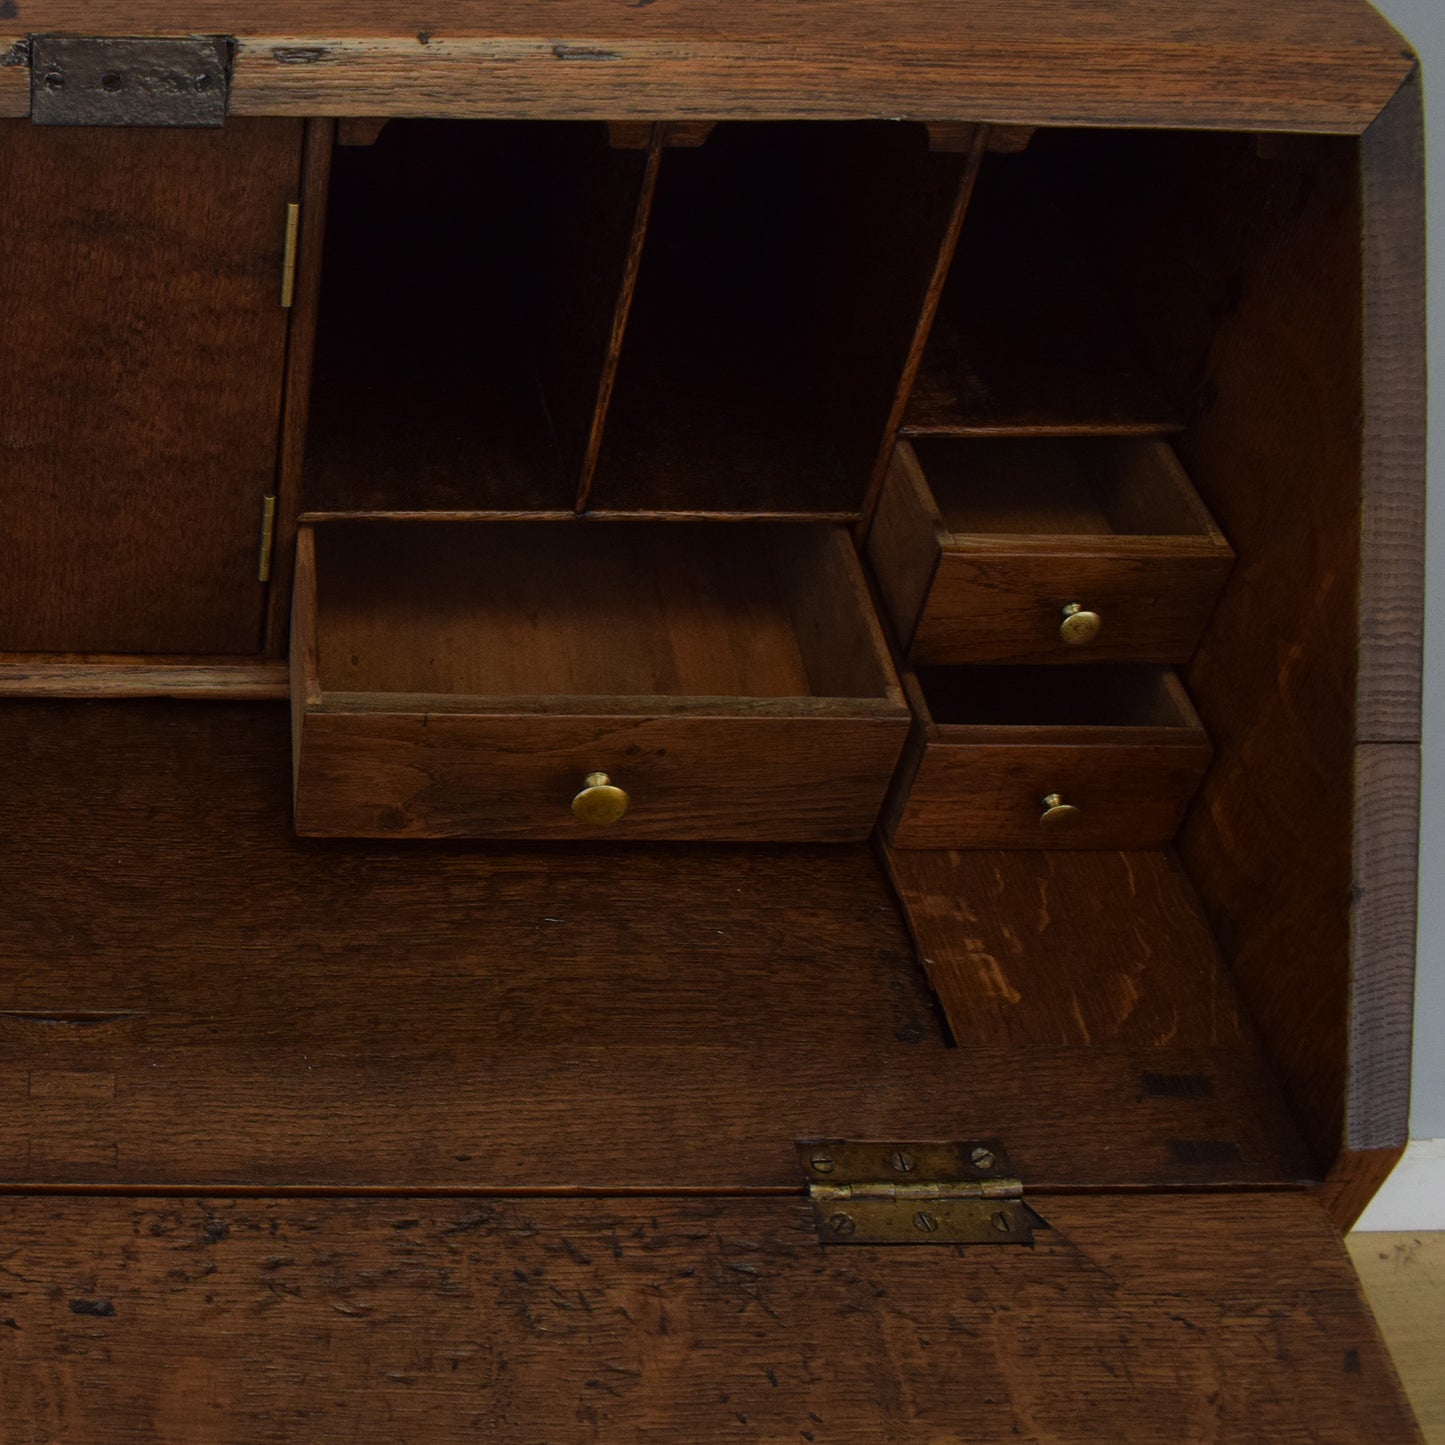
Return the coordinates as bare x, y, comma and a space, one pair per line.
1302, 841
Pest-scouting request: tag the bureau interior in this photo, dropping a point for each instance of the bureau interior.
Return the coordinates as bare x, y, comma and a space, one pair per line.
470, 1015
524, 609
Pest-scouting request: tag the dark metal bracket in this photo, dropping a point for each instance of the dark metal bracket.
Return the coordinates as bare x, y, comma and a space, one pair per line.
180, 81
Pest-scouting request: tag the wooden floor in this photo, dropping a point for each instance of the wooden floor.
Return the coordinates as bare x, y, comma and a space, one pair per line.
1404, 1280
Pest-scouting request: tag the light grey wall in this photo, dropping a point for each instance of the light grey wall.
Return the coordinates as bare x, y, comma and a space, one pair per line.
1423, 22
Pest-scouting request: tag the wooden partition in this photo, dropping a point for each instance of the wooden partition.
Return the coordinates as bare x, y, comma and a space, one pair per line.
782, 279
470, 280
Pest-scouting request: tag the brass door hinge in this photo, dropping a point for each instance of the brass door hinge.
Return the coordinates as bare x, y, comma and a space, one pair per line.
288, 254
130, 80
866, 1192
268, 538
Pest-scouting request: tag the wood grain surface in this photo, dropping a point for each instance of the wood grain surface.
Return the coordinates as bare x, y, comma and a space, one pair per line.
203, 1321
1392, 521
990, 794
1354, 1179
139, 411
1122, 745
1111, 950
980, 544
1285, 720
732, 680
1329, 66
998, 599
240, 679
718, 774
1383, 903
241, 1008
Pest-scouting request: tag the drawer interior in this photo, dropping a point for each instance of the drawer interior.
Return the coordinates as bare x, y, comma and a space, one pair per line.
1093, 486
458, 611
1082, 697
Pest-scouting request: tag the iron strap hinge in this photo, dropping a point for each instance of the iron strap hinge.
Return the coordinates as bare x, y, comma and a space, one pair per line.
112, 80
872, 1192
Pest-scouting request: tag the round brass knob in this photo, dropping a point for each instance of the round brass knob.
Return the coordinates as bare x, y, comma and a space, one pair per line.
599, 803
1058, 815
1079, 625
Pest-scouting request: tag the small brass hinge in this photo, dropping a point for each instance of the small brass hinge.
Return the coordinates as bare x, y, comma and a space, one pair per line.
268, 538
288, 254
866, 1192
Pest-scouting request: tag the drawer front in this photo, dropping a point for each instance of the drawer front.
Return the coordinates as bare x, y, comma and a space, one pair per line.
992, 795
765, 779
1008, 606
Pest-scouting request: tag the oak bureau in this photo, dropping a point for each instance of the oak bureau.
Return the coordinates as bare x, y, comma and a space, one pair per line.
711, 714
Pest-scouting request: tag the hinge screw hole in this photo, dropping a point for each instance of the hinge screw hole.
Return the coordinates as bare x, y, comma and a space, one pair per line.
55, 80
902, 1162
982, 1158
823, 1163
1001, 1222
111, 82
841, 1224
925, 1222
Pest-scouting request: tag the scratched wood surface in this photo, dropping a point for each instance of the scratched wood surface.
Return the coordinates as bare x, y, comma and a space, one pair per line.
197, 1322
192, 996
1110, 949
1328, 65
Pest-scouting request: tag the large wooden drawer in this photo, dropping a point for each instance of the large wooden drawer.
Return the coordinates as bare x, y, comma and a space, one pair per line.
1045, 549
472, 680
1030, 757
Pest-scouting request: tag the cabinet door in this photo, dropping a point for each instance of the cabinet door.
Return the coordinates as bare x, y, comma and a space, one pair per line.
142, 347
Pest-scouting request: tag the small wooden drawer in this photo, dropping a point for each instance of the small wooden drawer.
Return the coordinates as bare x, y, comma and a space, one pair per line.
981, 544
1036, 757
468, 679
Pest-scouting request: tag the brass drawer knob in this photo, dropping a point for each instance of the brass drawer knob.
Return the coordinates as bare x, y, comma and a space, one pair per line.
1058, 815
1079, 626
599, 803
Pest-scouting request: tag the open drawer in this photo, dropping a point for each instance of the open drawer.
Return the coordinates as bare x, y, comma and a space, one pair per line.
475, 680
1030, 757
1045, 549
